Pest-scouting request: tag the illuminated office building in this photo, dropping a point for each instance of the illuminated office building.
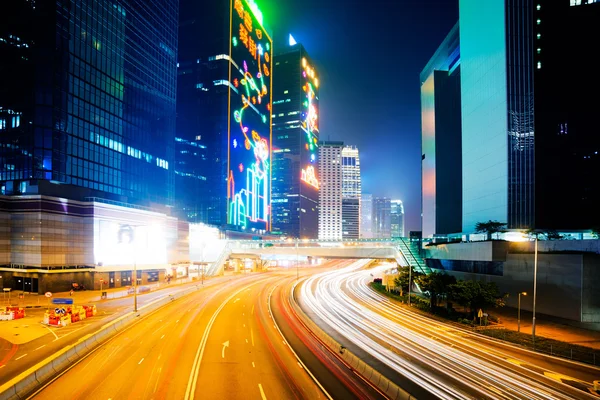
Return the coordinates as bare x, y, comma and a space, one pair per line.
224, 105
366, 216
87, 106
396, 218
529, 142
351, 192
441, 170
330, 193
382, 221
295, 193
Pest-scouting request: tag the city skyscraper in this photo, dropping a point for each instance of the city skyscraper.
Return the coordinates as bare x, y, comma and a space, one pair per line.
224, 106
397, 218
528, 117
366, 216
295, 195
382, 222
351, 192
441, 171
88, 99
330, 194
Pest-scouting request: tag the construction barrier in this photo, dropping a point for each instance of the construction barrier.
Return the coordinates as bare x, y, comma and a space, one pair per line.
69, 315
10, 313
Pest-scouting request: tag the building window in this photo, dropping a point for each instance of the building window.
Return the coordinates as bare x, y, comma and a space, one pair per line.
539, 35
539, 65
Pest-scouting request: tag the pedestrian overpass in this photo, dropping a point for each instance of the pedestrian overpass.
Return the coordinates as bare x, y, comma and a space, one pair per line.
403, 250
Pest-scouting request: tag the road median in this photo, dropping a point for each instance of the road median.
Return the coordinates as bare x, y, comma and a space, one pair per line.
384, 385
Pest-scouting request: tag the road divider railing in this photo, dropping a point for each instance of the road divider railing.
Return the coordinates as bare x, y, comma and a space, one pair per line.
27, 382
388, 388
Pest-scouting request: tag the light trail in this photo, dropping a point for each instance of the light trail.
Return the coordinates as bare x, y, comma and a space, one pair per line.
444, 363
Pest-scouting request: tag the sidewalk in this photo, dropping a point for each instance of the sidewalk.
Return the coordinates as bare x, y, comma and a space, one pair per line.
549, 327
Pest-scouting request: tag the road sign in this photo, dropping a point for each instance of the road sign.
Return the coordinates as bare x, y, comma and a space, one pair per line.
48, 294
62, 301
480, 313
101, 280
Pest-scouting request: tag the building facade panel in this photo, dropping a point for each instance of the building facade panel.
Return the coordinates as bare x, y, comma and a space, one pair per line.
484, 112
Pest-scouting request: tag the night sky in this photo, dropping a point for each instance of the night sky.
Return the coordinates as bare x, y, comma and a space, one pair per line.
369, 55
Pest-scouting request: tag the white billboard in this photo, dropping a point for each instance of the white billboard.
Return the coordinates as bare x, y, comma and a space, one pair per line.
123, 244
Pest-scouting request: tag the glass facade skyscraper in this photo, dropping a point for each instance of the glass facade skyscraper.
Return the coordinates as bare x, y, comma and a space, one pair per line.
224, 105
382, 222
295, 144
529, 145
351, 192
87, 107
397, 219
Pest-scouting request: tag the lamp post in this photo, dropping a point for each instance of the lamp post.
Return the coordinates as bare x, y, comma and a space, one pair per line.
297, 261
535, 266
409, 281
134, 283
519, 311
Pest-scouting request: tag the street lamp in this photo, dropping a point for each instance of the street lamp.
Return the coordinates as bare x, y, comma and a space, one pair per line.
535, 266
519, 311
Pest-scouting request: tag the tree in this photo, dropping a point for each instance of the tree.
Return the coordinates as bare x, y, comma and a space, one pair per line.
553, 235
476, 295
436, 285
401, 281
490, 228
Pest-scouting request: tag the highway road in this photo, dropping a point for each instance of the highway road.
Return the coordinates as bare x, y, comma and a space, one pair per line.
430, 358
16, 358
218, 343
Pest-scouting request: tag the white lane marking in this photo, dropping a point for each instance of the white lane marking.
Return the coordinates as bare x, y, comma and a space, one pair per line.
193, 379
73, 331
246, 340
40, 347
162, 336
226, 344
262, 392
244, 325
300, 365
253, 366
18, 358
252, 336
159, 356
236, 300
51, 331
141, 361
177, 321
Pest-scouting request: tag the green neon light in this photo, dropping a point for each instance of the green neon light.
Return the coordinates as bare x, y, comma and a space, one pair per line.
255, 10
234, 41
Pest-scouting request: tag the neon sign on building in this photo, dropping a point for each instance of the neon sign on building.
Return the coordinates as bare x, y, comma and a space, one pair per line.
249, 131
310, 121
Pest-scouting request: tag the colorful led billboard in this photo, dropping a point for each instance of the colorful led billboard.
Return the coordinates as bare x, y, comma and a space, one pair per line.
310, 123
249, 135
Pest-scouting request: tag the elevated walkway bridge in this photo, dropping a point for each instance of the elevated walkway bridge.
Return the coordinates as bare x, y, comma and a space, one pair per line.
402, 250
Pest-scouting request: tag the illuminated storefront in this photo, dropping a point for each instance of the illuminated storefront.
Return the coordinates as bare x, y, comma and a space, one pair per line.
249, 130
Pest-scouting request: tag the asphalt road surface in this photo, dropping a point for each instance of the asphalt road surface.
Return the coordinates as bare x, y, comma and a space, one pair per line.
219, 343
16, 358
